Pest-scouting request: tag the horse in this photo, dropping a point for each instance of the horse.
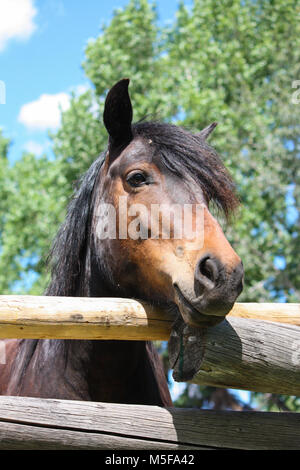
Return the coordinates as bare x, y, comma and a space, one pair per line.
146, 163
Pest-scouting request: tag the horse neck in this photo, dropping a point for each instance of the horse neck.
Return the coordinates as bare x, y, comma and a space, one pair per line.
112, 371
121, 371
109, 371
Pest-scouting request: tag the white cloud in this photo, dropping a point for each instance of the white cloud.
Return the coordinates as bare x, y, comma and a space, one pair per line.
34, 147
16, 20
44, 113
80, 89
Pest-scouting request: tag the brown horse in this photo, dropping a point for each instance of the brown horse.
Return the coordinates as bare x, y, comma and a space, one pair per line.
147, 164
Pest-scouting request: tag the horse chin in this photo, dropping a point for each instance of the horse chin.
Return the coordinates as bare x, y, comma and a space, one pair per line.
193, 316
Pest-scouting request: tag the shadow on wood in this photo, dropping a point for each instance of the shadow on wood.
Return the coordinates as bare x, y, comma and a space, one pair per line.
239, 353
33, 423
187, 347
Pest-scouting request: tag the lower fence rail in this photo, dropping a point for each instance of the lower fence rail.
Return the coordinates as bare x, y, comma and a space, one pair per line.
34, 423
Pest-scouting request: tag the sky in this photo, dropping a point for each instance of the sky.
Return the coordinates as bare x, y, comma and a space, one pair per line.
42, 46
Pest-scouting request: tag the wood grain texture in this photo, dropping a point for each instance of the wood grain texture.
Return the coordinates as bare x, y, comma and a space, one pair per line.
108, 318
250, 354
33, 423
42, 317
274, 312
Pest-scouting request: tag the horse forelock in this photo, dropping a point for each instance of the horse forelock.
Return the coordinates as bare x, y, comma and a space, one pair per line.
188, 155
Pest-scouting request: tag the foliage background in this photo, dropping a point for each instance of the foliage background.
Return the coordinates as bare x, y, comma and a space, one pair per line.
232, 62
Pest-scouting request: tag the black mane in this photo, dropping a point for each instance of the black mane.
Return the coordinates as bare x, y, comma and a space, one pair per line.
67, 256
182, 152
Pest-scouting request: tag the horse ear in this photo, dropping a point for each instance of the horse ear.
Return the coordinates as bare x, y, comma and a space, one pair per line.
207, 130
117, 115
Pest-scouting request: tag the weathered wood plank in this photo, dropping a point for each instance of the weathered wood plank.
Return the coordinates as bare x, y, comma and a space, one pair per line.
44, 424
23, 437
239, 353
108, 318
274, 312
81, 318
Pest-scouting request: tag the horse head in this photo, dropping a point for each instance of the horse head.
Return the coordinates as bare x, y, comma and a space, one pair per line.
155, 179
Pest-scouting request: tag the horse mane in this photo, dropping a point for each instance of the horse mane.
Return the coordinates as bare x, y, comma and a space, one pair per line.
182, 152
66, 258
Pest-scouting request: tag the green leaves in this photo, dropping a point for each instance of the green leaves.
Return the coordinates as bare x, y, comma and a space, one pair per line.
233, 69
33, 205
132, 46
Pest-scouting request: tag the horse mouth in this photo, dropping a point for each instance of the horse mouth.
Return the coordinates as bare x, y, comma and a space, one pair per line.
193, 316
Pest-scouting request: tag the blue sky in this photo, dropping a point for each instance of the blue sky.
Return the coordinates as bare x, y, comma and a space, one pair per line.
42, 46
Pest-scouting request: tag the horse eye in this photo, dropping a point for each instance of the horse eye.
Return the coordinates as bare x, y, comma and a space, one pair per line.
136, 179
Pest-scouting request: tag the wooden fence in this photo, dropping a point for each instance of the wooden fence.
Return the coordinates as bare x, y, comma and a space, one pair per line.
256, 348
110, 318
32, 423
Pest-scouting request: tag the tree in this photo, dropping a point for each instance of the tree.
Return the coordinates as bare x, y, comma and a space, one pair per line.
228, 61
233, 69
33, 200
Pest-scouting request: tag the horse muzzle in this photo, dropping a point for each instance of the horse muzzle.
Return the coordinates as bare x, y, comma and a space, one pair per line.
214, 292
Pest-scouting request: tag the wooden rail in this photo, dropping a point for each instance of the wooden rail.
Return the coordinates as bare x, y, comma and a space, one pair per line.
81, 318
33, 423
242, 352
239, 353
109, 318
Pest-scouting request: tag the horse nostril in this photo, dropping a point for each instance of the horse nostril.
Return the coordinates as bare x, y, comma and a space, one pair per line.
208, 268
207, 272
